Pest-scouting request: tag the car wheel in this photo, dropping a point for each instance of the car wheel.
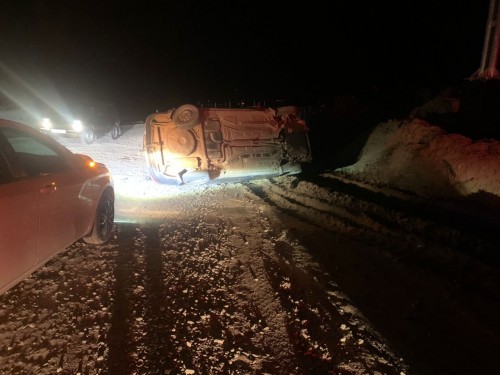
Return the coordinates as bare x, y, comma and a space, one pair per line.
103, 220
88, 135
186, 116
115, 131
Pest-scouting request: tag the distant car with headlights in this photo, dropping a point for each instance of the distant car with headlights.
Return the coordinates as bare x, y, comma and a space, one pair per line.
192, 144
49, 199
87, 121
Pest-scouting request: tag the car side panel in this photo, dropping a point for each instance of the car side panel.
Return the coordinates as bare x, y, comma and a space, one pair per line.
65, 210
18, 231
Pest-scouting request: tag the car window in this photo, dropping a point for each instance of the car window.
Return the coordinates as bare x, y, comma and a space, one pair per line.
5, 172
33, 155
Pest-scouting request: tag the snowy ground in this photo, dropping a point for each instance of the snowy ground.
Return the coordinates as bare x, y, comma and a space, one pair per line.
361, 270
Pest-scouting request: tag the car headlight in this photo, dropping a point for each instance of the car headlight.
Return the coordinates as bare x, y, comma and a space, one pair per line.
77, 125
46, 123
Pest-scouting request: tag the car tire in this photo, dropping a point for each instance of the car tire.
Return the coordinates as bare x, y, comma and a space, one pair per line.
186, 116
104, 218
88, 135
116, 131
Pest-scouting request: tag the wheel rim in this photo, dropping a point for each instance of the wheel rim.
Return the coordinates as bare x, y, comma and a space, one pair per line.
105, 219
89, 136
114, 132
186, 115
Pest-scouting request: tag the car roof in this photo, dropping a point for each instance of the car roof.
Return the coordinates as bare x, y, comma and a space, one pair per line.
14, 124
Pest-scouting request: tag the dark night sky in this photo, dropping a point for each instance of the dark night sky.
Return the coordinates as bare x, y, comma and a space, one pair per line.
149, 55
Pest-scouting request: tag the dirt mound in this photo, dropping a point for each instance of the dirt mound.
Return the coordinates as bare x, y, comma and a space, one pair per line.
424, 159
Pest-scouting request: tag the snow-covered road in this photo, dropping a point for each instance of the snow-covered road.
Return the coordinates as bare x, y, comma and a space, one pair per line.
310, 274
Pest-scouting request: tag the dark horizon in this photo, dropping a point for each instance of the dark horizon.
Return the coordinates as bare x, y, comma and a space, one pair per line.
159, 56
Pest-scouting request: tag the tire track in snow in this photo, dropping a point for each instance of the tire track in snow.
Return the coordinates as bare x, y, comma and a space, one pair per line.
309, 310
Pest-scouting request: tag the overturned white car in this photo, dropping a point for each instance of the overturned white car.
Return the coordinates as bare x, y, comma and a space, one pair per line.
195, 144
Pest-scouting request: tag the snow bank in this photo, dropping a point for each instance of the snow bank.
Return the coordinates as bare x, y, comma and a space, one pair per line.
423, 159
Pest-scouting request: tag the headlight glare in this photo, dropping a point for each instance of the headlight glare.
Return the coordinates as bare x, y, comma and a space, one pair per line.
46, 123
77, 125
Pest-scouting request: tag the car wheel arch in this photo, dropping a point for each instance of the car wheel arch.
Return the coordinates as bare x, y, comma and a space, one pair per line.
102, 224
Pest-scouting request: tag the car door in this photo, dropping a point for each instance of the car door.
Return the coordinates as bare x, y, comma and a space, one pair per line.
59, 189
63, 210
18, 225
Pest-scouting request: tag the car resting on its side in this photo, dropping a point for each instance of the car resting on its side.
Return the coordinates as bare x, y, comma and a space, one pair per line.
195, 144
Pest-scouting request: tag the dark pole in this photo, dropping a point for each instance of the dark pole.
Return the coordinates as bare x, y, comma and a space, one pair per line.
489, 58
